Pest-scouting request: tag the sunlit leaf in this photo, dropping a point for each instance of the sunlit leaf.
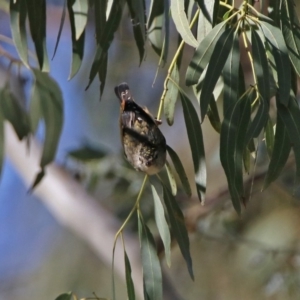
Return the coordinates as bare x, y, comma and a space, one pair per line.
215, 66
162, 224
290, 29
203, 54
290, 116
107, 37
151, 267
179, 231
37, 23
13, 112
171, 95
180, 170
77, 44
129, 282
181, 22
195, 137
281, 150
276, 41
80, 10
18, 14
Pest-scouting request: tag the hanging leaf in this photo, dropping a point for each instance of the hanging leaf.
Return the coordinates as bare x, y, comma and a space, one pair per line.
277, 44
171, 95
203, 54
129, 282
111, 26
151, 268
65, 296
171, 178
178, 228
162, 224
180, 170
213, 115
35, 113
37, 23
215, 66
51, 105
194, 132
18, 14
281, 150
181, 22
77, 44
290, 116
269, 137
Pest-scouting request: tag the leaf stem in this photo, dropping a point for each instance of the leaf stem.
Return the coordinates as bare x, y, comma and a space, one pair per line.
174, 60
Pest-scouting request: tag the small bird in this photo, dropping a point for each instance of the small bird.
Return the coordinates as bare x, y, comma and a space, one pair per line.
144, 144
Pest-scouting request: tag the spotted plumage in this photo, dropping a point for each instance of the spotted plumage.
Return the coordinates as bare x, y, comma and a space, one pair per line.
144, 144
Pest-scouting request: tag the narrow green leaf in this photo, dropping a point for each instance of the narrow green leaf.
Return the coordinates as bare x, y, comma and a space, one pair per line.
195, 137
290, 116
107, 37
13, 112
65, 296
281, 150
129, 282
151, 267
231, 76
203, 54
171, 178
261, 66
35, 113
137, 15
215, 66
213, 115
18, 14
37, 23
180, 170
290, 29
1, 141
247, 160
162, 224
80, 10
155, 25
171, 95
176, 219
87, 153
269, 137
206, 9
77, 44
61, 25
181, 22
276, 41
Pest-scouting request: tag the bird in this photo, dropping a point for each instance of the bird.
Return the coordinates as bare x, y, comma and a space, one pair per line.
143, 143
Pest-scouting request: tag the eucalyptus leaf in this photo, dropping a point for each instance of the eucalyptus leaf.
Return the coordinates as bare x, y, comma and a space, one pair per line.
181, 22
179, 231
129, 281
152, 275
269, 137
162, 224
180, 170
65, 296
171, 178
213, 115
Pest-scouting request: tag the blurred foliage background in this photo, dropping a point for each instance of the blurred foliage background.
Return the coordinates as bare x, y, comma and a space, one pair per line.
256, 256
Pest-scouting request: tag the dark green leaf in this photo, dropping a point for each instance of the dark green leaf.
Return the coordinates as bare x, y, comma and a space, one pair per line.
18, 14
37, 23
151, 267
62, 21
181, 22
155, 25
65, 296
213, 115
111, 26
87, 153
176, 219
281, 150
291, 32
290, 116
129, 282
218, 59
194, 132
13, 112
231, 76
171, 95
137, 15
180, 170
207, 13
77, 43
269, 137
276, 41
35, 113
162, 224
203, 54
